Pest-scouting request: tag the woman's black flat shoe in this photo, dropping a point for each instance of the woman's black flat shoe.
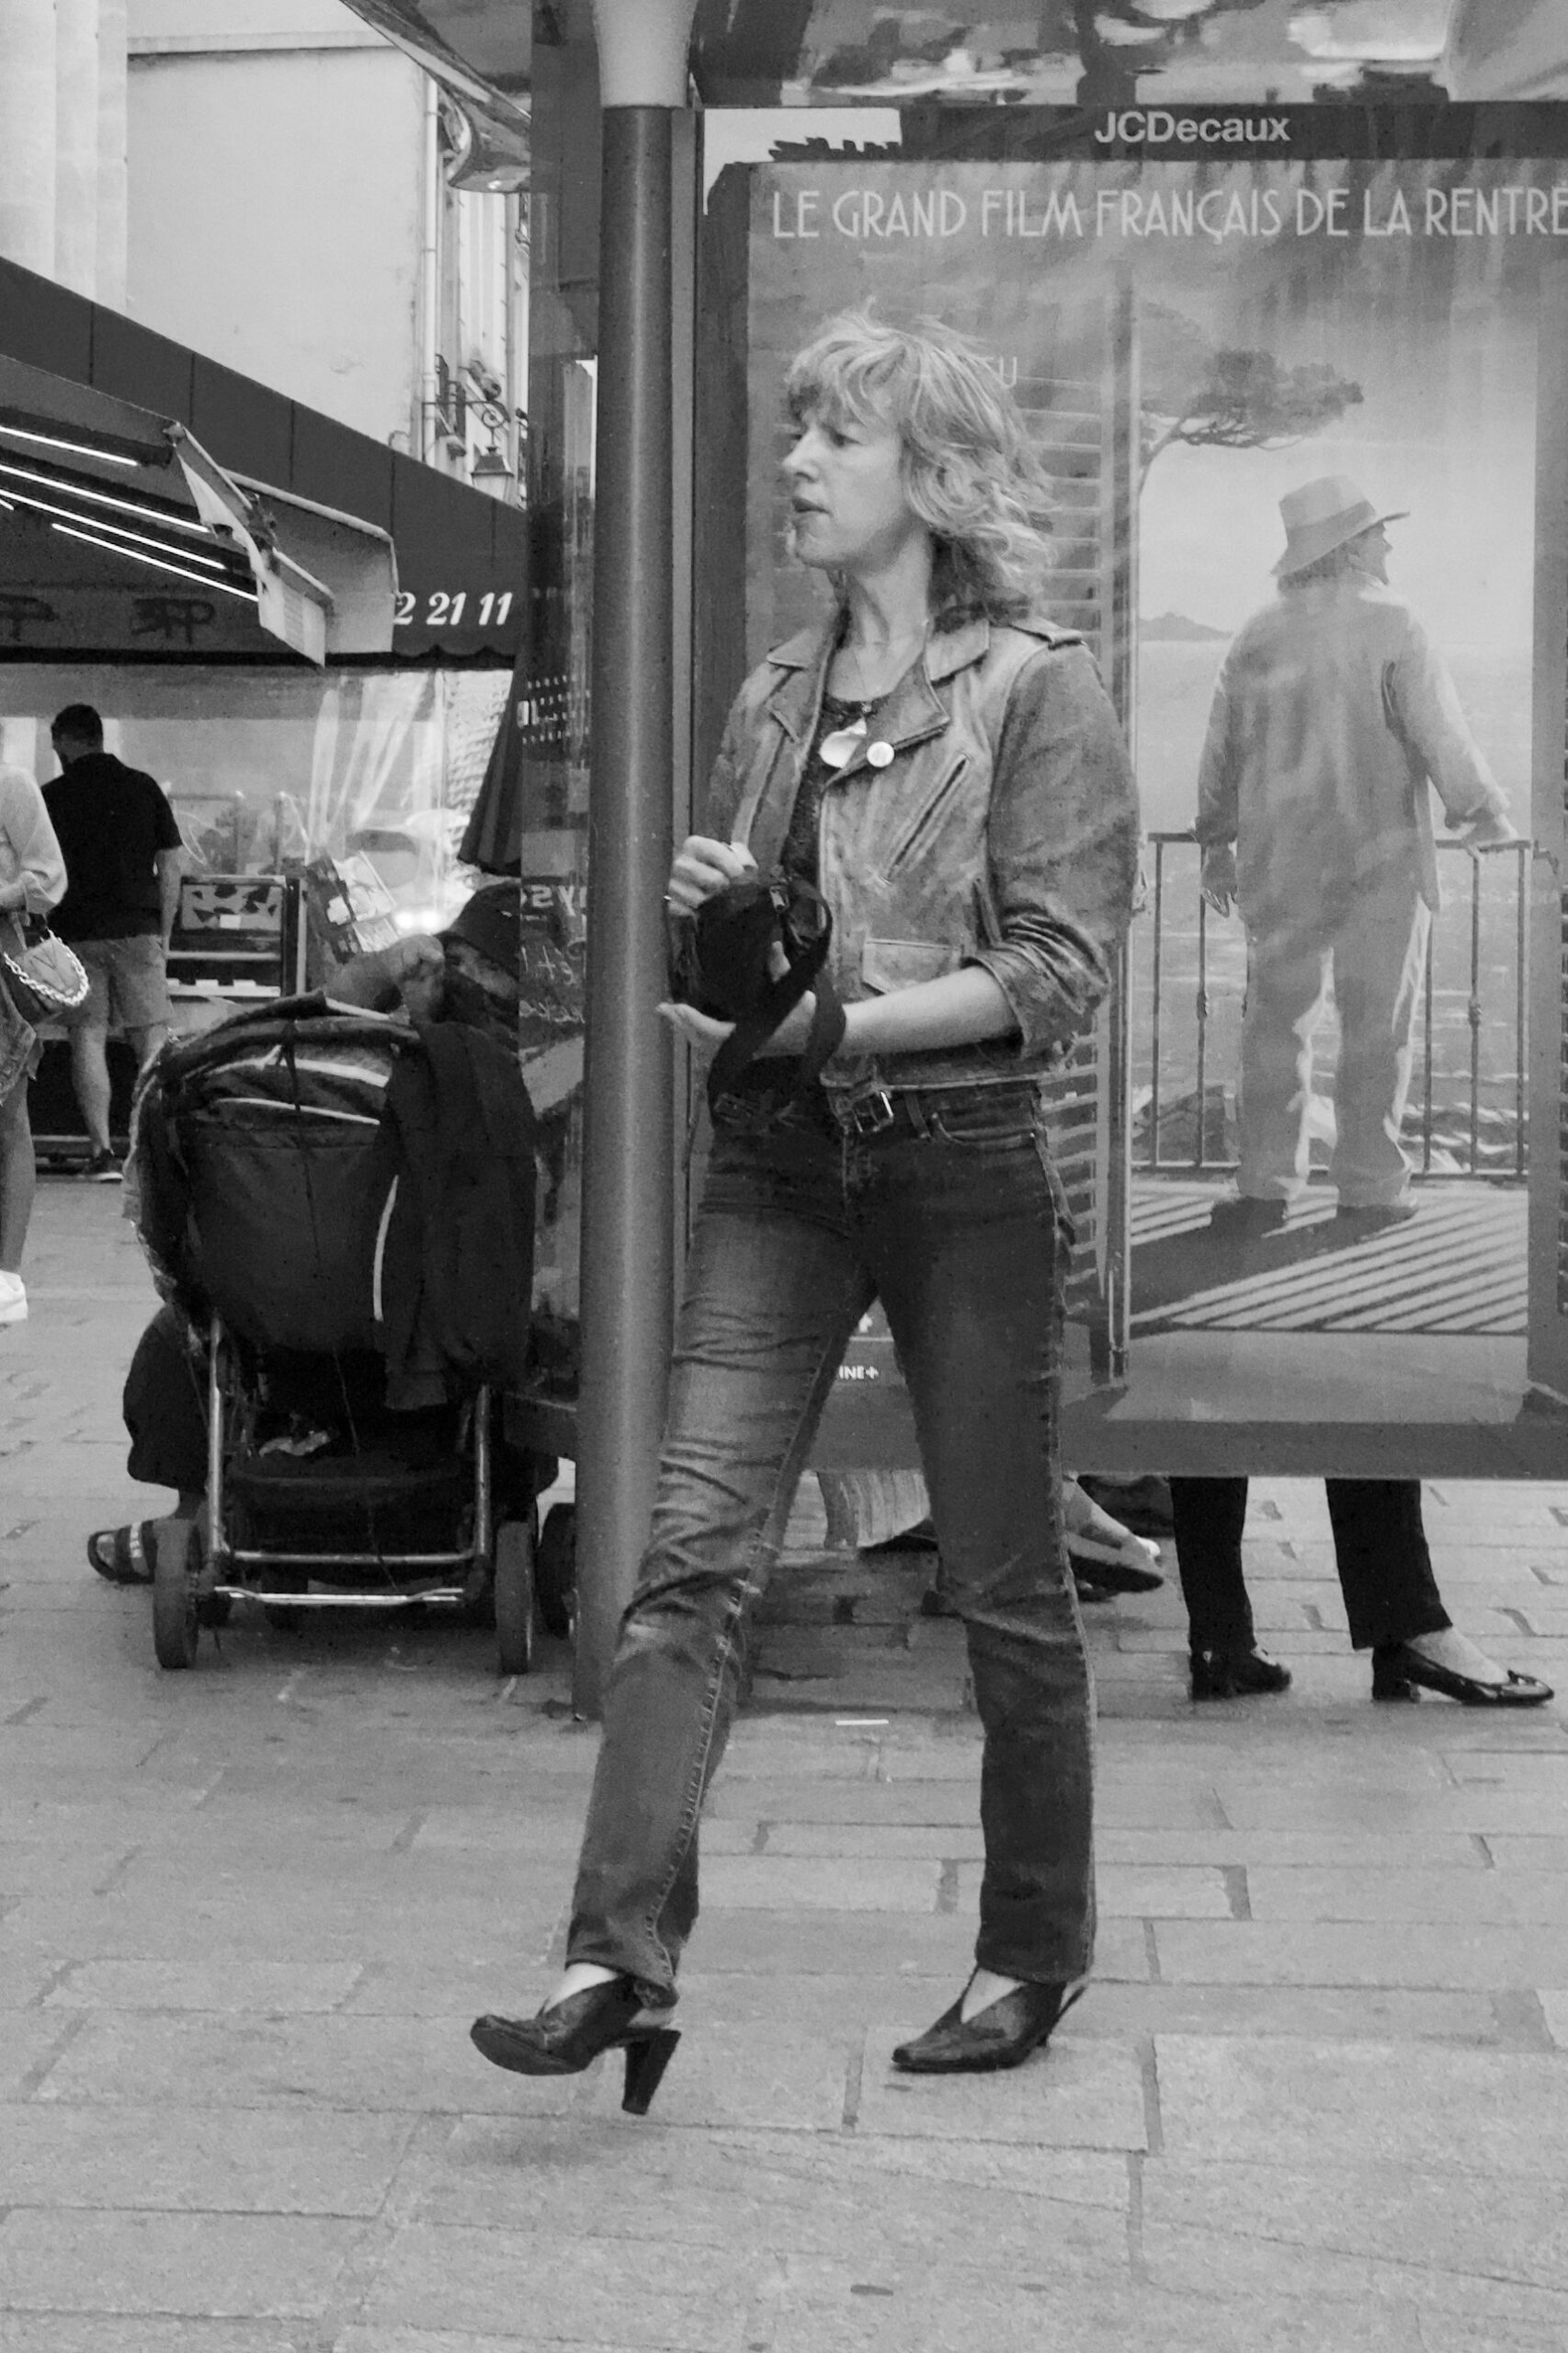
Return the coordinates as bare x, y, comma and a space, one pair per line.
565, 2040
1400, 1673
1235, 1675
1003, 2035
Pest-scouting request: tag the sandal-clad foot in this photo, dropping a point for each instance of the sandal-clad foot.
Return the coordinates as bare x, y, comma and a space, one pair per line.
124, 1555
1001, 2034
568, 2035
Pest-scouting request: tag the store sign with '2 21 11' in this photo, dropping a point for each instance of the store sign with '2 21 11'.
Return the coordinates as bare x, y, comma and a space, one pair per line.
444, 610
1307, 420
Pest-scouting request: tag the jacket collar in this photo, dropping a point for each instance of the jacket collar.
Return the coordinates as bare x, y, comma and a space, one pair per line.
909, 714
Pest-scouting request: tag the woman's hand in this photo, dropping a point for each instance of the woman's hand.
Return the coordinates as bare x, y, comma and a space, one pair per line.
705, 1035
701, 869
701, 1032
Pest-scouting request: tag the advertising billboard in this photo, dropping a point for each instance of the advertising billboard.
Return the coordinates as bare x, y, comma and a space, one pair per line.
1305, 412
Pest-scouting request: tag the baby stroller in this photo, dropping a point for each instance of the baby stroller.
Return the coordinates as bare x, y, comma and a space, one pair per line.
298, 1209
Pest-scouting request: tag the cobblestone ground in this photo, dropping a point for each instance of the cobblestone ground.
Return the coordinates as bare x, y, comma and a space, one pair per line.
1315, 2099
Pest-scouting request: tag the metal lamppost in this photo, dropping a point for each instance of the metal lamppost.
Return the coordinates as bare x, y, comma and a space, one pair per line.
629, 1144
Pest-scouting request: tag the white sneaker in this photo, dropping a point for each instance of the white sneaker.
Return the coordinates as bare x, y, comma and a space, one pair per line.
12, 1299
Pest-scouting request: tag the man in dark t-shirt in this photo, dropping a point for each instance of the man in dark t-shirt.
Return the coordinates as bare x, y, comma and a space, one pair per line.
121, 847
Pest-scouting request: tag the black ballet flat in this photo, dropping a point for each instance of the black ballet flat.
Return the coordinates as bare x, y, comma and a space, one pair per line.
1001, 2035
571, 2036
1235, 1675
1400, 1673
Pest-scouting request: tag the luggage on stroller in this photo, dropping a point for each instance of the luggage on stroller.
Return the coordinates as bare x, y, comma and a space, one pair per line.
291, 1162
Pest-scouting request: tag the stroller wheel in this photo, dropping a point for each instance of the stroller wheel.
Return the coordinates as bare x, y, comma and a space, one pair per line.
173, 1594
556, 1571
514, 1596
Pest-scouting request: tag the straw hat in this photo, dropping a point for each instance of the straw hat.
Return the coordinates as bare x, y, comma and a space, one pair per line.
1322, 516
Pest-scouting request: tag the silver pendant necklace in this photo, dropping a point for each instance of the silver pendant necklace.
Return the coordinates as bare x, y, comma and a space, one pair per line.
839, 747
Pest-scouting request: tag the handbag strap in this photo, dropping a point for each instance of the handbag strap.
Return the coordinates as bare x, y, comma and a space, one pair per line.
752, 1032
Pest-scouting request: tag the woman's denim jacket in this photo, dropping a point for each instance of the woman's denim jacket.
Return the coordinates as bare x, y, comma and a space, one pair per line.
989, 817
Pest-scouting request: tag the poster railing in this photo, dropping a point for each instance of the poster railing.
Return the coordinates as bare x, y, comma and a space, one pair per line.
1469, 1115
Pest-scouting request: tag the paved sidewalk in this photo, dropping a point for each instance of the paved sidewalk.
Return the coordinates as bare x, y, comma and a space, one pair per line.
1317, 2100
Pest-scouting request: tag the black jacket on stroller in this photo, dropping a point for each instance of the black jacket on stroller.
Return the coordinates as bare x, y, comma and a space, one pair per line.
331, 1182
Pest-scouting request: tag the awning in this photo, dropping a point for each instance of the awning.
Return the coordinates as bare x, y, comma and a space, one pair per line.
480, 49
107, 551
136, 497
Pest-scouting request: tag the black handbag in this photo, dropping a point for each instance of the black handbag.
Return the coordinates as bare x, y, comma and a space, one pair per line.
722, 962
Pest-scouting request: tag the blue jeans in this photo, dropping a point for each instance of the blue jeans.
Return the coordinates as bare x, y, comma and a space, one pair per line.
954, 1218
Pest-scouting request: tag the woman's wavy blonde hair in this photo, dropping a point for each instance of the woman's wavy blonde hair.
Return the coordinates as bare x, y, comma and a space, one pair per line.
970, 471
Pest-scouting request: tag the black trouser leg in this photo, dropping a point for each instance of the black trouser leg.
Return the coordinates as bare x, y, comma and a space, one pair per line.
164, 1404
1210, 1515
1385, 1569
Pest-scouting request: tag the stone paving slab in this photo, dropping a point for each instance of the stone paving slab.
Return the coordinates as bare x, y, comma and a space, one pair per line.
827, 2309
814, 1944
1479, 1807
1473, 2223
761, 2074
1485, 2112
226, 2265
1351, 1952
1133, 2011
199, 2159
1347, 2289
368, 2064
1529, 1897
391, 2338
565, 2287
1138, 1891
235, 1982
218, 1918
780, 1882
721, 2188
429, 1986
138, 2332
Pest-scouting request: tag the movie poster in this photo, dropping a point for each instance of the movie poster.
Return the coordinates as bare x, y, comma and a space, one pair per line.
1303, 420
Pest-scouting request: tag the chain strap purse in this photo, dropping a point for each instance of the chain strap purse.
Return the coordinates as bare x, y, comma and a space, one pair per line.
43, 978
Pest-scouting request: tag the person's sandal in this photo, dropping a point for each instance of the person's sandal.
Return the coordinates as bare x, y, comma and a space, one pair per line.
1235, 1675
123, 1555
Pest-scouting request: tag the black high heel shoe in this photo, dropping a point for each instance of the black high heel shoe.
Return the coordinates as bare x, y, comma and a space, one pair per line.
1001, 2035
1234, 1674
570, 2037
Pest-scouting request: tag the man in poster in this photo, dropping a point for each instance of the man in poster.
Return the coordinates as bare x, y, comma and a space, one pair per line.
1333, 714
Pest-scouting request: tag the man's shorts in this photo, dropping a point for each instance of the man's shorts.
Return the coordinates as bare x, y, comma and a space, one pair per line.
128, 985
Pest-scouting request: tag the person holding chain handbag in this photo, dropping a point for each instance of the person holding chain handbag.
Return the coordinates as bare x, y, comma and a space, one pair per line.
933, 789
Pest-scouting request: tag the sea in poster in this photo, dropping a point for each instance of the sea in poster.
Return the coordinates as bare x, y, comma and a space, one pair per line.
1249, 328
